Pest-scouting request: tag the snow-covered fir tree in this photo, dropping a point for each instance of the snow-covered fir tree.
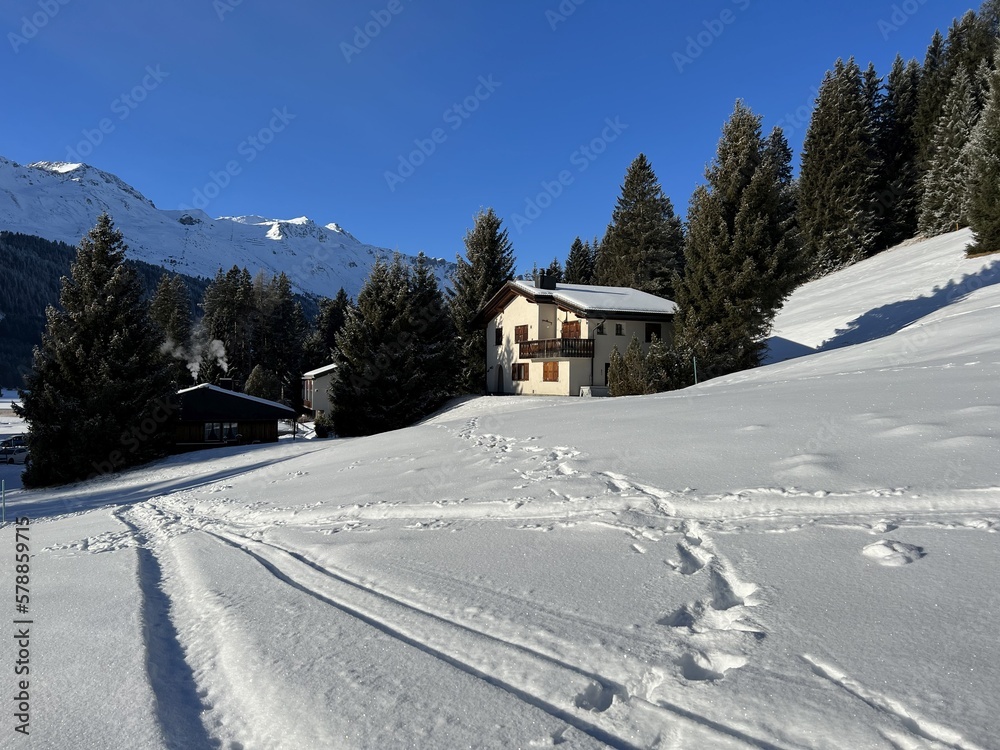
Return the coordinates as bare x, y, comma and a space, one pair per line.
838, 206
983, 154
742, 252
944, 202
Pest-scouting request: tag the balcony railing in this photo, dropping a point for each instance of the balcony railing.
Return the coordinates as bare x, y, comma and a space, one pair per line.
556, 349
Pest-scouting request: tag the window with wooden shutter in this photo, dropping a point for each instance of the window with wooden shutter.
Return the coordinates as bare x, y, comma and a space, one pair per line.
498, 340
519, 371
550, 372
520, 334
571, 330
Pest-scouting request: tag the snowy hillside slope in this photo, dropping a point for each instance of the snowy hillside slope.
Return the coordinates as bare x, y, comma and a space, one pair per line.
880, 295
60, 201
799, 556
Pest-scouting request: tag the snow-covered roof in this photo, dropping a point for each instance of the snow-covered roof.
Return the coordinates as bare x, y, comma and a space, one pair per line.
319, 371
217, 389
600, 299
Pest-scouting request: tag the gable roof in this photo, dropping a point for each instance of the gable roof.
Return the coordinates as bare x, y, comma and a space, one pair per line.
207, 402
584, 300
319, 371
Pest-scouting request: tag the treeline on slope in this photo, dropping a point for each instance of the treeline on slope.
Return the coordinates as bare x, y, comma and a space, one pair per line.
32, 268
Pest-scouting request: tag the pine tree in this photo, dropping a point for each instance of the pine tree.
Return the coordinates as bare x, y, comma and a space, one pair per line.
555, 270
434, 338
644, 244
579, 264
230, 317
394, 353
742, 252
95, 398
933, 91
488, 265
899, 195
320, 342
263, 383
944, 205
984, 159
281, 331
170, 311
837, 199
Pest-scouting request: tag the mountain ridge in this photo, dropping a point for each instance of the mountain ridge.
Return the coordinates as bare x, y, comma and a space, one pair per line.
60, 201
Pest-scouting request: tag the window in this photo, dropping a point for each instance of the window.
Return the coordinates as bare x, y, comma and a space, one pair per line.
571, 330
599, 330
498, 339
520, 334
218, 432
654, 329
519, 371
550, 372
619, 329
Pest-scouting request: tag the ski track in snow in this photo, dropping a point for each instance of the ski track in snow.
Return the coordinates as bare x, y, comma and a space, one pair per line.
613, 700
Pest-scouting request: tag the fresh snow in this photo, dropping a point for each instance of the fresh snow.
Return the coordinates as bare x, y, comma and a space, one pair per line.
799, 556
61, 202
603, 298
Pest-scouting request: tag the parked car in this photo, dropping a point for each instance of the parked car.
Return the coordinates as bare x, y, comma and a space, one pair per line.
14, 442
14, 455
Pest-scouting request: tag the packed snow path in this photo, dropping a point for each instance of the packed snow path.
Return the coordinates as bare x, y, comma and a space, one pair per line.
802, 556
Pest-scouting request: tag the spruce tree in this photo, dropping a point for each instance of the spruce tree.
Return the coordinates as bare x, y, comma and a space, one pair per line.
230, 317
930, 101
281, 331
742, 251
488, 265
321, 340
555, 270
170, 311
944, 205
429, 320
984, 160
644, 244
837, 208
899, 194
579, 264
95, 399
394, 354
374, 360
263, 383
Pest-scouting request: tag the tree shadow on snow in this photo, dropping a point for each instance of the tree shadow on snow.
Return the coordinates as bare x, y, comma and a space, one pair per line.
888, 319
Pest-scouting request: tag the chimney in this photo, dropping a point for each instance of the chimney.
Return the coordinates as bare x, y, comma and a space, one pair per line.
544, 281
227, 383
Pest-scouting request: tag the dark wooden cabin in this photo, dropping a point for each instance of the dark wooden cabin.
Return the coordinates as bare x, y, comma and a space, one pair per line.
211, 416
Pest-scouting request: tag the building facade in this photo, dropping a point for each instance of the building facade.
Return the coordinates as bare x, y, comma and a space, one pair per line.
556, 339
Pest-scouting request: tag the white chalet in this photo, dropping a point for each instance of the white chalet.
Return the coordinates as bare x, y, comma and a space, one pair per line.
315, 384
551, 339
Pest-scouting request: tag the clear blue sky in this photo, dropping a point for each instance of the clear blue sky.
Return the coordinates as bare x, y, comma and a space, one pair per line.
182, 87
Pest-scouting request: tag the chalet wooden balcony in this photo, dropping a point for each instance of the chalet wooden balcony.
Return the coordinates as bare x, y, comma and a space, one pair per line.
556, 349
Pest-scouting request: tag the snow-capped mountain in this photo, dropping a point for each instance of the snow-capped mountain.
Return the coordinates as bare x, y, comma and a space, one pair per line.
61, 201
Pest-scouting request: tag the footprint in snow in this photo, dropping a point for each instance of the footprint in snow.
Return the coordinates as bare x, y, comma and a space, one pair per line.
893, 554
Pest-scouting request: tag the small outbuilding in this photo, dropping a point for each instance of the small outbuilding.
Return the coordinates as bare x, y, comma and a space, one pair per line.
315, 387
210, 416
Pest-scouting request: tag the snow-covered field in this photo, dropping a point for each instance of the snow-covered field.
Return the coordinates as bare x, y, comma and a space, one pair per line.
801, 556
